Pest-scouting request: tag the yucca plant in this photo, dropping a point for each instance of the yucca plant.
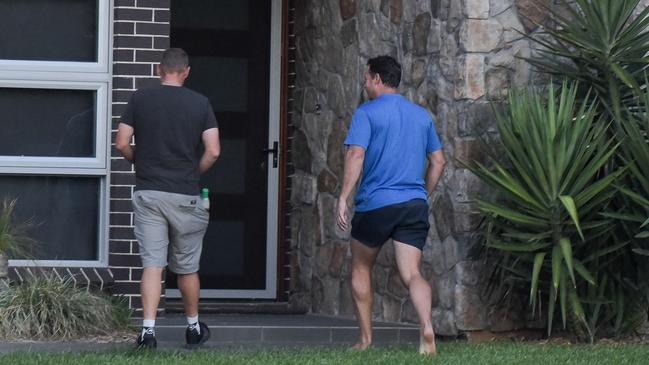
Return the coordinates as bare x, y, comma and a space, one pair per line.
603, 44
634, 128
546, 218
600, 43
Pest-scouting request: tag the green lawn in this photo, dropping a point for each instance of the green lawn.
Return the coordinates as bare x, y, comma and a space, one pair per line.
450, 353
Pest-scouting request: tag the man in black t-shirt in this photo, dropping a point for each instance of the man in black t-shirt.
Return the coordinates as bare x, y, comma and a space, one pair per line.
171, 125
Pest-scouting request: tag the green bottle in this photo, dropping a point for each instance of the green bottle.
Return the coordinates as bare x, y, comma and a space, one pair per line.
205, 197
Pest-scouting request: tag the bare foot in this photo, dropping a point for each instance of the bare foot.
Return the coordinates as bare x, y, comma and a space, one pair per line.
427, 342
360, 346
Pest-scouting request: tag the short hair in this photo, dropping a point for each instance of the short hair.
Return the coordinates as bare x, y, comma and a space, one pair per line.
174, 60
388, 69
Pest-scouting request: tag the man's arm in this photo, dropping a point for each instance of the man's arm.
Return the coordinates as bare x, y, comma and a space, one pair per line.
123, 141
212, 149
354, 158
435, 169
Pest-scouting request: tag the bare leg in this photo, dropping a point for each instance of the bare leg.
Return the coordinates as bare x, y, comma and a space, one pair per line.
150, 288
409, 260
190, 286
363, 258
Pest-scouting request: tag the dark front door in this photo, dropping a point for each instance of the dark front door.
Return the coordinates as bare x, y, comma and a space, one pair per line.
228, 42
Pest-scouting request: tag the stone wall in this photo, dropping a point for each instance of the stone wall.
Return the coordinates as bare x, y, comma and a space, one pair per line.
458, 56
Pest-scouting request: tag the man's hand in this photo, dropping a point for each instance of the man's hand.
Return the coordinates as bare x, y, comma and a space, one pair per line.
354, 158
437, 161
342, 214
123, 141
212, 152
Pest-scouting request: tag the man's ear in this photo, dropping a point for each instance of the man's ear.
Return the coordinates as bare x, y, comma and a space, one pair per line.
377, 79
158, 70
185, 72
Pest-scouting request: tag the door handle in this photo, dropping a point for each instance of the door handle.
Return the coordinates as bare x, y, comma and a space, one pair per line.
274, 151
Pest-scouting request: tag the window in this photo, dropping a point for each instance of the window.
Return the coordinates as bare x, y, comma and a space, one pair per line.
54, 35
62, 30
62, 210
54, 82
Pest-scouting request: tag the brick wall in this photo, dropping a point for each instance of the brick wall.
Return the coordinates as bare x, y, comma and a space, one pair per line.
141, 33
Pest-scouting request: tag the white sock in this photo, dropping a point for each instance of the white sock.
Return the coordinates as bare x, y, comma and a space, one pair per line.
148, 323
193, 322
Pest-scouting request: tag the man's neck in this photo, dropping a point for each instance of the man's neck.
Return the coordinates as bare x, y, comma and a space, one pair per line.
172, 79
167, 82
386, 90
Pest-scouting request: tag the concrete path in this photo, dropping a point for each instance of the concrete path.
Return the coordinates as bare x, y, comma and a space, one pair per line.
247, 330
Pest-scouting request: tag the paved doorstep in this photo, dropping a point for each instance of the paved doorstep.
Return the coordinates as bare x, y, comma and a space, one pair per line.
283, 330
249, 330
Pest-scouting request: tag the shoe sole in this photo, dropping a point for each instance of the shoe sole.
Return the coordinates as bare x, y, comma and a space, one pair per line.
200, 343
144, 346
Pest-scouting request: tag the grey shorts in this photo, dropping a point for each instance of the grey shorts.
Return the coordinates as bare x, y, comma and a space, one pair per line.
169, 228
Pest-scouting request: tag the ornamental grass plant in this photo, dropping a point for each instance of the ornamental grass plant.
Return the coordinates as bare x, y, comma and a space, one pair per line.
49, 308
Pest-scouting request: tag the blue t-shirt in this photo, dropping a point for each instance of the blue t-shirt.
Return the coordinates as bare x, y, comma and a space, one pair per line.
397, 135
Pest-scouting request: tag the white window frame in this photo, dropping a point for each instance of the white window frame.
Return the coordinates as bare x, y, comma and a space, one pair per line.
63, 75
102, 232
9, 163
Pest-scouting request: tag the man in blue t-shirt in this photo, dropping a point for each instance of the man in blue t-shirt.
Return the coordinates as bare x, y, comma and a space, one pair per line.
389, 140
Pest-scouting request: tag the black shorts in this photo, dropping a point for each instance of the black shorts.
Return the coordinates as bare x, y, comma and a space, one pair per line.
404, 222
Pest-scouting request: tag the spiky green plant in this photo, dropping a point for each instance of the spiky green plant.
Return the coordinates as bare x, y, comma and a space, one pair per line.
600, 43
603, 44
14, 237
546, 218
634, 128
47, 307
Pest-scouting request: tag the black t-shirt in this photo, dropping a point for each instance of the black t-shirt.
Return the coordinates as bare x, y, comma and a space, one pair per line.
168, 122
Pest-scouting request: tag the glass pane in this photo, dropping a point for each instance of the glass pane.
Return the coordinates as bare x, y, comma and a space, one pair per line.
47, 122
228, 175
45, 30
223, 250
222, 14
64, 212
224, 80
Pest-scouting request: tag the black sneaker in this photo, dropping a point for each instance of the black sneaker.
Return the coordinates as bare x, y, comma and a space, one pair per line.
146, 339
194, 338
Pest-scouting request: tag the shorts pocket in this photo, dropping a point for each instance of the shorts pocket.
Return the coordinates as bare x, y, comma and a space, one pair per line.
188, 206
195, 208
141, 200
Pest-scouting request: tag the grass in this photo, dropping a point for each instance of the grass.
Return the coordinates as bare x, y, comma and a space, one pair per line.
450, 353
